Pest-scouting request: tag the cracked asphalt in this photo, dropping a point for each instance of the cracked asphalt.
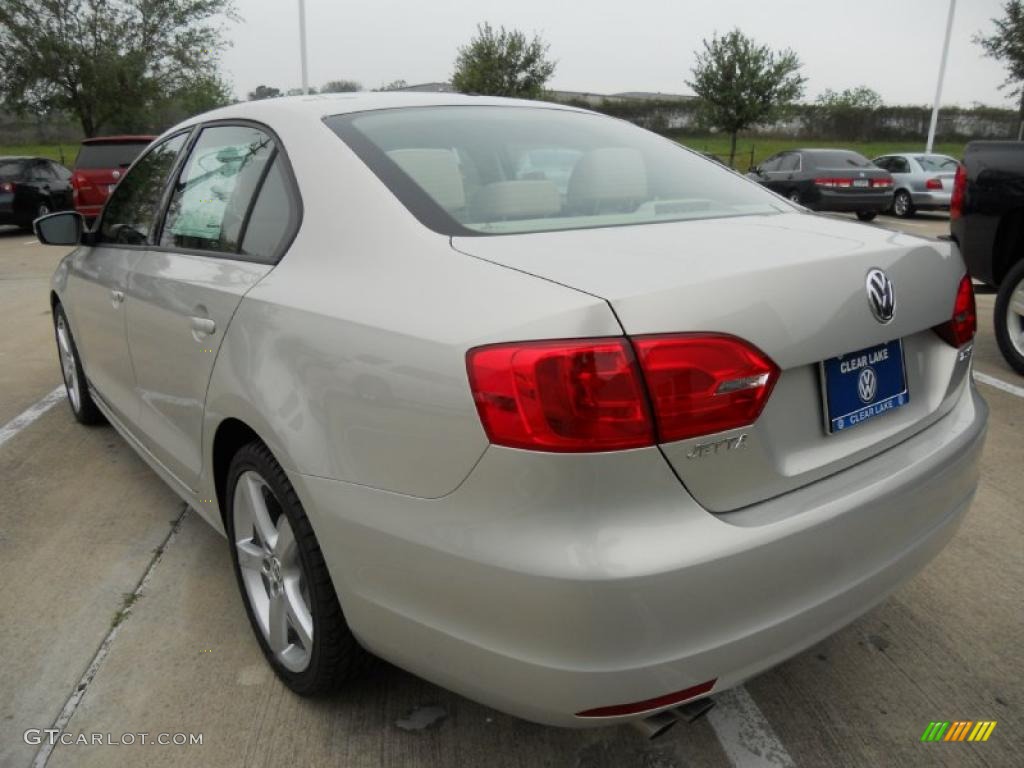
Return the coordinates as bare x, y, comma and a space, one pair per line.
119, 615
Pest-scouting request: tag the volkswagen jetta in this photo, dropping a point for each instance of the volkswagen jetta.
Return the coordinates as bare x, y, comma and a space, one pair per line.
527, 400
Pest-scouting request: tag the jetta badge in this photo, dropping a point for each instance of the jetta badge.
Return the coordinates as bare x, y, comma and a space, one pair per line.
881, 298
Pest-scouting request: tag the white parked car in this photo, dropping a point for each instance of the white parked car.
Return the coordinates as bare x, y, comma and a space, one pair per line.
583, 448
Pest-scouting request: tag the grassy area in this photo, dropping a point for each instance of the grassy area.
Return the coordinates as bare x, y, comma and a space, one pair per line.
52, 151
763, 148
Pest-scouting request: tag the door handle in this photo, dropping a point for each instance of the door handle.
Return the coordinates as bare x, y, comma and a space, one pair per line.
116, 297
204, 325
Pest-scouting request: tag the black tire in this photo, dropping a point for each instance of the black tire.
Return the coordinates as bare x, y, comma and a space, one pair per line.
336, 657
82, 407
41, 209
903, 204
1013, 282
866, 215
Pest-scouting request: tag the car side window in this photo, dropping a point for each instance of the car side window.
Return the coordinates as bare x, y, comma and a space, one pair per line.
272, 219
899, 165
883, 162
41, 171
212, 196
771, 164
131, 213
62, 173
790, 162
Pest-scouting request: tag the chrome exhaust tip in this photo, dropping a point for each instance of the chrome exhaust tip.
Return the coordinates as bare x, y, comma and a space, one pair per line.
657, 724
694, 710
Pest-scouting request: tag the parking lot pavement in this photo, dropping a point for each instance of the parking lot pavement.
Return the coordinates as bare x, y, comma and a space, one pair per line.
83, 522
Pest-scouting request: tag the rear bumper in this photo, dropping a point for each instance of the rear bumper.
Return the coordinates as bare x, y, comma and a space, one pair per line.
547, 585
931, 201
89, 211
829, 200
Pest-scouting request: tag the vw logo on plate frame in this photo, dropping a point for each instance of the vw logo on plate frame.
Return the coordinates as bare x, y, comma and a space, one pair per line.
867, 385
881, 297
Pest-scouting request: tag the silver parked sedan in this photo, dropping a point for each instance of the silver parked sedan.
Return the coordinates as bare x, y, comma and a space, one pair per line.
529, 401
920, 182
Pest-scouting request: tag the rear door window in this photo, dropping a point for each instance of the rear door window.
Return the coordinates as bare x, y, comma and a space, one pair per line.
212, 196
130, 215
790, 162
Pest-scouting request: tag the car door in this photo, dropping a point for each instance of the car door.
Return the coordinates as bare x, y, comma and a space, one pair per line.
98, 278
60, 186
183, 292
788, 175
769, 173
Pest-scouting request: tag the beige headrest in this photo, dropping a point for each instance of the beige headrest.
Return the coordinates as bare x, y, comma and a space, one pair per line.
523, 199
612, 174
437, 171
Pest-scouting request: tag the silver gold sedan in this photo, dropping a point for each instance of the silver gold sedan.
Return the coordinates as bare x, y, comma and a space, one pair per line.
536, 404
920, 182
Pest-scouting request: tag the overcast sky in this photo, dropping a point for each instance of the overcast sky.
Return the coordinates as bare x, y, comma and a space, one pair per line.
605, 46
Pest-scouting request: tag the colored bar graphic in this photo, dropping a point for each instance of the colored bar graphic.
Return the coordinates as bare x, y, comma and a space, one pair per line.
958, 730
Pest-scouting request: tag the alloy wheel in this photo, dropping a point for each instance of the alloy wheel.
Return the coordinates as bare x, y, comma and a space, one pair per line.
272, 572
901, 204
1015, 318
67, 364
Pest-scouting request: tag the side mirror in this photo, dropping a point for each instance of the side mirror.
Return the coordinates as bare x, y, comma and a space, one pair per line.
755, 169
62, 228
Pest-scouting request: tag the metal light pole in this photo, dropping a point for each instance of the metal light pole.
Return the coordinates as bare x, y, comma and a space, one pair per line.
302, 45
942, 74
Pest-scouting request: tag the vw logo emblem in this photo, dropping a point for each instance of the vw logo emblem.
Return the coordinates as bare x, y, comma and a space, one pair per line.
867, 385
881, 298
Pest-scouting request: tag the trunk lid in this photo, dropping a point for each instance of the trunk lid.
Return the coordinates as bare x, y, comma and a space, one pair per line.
794, 286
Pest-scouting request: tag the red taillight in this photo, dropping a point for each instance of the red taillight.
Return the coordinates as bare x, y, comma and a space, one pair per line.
882, 183
833, 182
668, 700
933, 184
703, 383
956, 201
7, 187
564, 396
590, 395
962, 326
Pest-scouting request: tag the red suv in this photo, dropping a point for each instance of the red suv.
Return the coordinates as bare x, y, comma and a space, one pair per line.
100, 163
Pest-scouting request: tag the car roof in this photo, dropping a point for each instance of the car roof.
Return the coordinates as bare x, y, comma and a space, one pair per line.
118, 139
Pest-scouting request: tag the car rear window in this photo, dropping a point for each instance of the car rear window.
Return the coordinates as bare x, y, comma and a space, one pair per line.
936, 162
11, 168
119, 155
490, 170
839, 159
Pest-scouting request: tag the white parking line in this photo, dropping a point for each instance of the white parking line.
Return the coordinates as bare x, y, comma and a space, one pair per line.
745, 733
30, 414
992, 381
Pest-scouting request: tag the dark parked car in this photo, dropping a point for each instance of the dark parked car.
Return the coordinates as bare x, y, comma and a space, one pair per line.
31, 187
827, 180
986, 215
100, 164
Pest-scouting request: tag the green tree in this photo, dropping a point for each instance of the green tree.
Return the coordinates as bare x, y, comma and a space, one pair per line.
741, 83
1006, 44
264, 92
503, 63
341, 86
110, 63
845, 114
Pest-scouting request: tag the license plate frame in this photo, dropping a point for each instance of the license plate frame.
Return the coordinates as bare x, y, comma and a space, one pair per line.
842, 411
